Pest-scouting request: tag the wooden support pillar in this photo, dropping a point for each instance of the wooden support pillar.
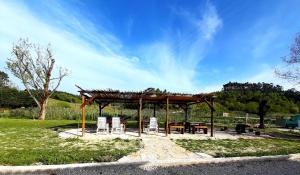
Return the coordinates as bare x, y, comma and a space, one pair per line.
186, 112
167, 116
102, 106
212, 118
100, 109
83, 116
140, 116
154, 110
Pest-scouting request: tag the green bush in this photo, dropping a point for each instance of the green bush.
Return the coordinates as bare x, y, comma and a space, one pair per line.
13, 98
252, 107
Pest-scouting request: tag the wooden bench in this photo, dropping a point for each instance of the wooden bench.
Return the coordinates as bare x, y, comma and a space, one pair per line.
181, 127
199, 127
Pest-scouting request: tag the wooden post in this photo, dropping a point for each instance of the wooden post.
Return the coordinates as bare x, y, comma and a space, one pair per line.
83, 116
212, 118
140, 116
154, 110
186, 112
167, 116
100, 110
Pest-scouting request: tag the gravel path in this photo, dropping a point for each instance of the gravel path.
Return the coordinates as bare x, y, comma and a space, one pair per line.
162, 149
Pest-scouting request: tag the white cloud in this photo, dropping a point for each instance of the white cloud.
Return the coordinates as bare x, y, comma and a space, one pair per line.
94, 55
210, 22
267, 75
175, 60
89, 66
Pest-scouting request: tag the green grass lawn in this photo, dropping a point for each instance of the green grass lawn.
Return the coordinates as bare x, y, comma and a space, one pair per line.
242, 147
26, 142
277, 132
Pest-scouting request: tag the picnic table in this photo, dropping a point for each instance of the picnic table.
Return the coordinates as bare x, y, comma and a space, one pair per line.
191, 125
176, 125
199, 127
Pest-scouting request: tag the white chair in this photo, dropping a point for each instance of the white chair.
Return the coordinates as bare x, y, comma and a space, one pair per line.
153, 125
116, 125
102, 125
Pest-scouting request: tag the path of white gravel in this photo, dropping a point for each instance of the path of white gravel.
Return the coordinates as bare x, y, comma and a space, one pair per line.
158, 147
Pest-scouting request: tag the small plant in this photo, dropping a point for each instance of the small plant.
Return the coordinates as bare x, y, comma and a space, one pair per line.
72, 139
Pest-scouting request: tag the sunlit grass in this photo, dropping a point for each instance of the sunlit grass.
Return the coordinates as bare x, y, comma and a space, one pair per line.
242, 147
26, 142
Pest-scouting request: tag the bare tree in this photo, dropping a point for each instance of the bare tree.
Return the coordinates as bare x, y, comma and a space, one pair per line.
291, 71
34, 66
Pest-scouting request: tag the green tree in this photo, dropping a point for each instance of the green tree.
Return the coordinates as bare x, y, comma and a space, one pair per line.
4, 80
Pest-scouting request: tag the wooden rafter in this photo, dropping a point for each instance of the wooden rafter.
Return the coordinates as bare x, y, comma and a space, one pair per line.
115, 96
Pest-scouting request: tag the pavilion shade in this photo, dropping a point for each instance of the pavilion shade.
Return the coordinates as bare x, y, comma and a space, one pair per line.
113, 96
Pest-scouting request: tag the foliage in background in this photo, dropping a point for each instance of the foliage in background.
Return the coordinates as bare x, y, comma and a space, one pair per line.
247, 96
235, 101
4, 80
13, 98
65, 96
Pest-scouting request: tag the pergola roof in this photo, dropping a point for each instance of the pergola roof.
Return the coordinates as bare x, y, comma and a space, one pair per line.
104, 97
116, 96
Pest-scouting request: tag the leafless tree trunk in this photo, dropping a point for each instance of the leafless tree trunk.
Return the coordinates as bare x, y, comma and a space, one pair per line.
34, 66
42, 112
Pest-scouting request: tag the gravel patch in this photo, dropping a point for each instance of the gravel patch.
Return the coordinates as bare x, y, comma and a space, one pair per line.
133, 134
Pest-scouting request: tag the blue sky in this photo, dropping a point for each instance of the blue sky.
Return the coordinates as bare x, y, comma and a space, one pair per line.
183, 46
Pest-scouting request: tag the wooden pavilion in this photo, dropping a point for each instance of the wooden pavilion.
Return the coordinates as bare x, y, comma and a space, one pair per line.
106, 97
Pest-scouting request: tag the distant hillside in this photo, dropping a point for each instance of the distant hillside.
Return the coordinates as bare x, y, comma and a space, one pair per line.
65, 96
246, 97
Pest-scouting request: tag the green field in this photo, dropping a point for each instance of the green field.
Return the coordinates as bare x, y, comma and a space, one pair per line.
27, 142
242, 147
62, 110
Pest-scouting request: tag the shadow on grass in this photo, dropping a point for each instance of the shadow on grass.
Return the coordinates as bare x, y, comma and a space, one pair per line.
72, 126
283, 136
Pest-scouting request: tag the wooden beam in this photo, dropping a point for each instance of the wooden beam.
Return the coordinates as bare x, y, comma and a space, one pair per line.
186, 113
100, 110
89, 101
83, 116
140, 116
79, 87
210, 104
102, 106
154, 110
192, 103
212, 118
167, 116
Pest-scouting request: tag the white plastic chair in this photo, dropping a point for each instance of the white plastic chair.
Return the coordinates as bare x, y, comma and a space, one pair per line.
116, 125
102, 125
153, 125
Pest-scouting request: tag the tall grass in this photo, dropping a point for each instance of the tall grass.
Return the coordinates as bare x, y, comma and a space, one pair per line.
60, 110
